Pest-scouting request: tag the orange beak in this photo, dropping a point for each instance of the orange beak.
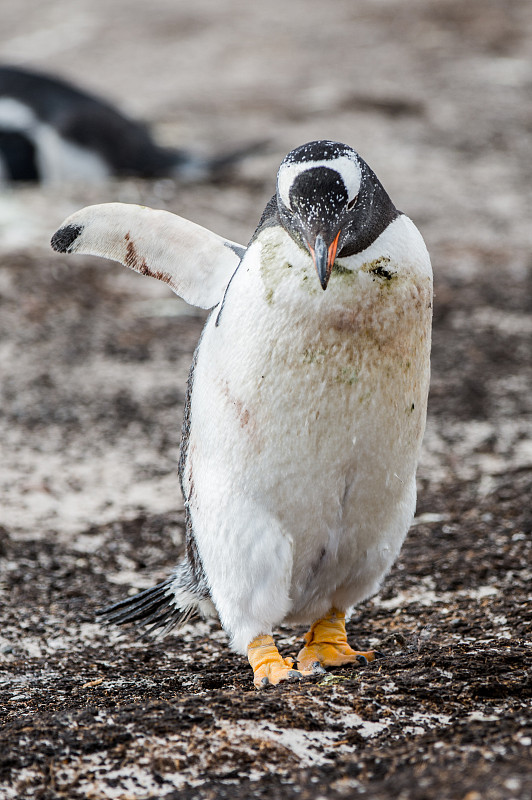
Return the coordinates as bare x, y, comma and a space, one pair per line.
324, 257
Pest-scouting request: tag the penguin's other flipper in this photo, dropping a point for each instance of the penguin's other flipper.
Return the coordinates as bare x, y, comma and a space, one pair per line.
326, 644
196, 263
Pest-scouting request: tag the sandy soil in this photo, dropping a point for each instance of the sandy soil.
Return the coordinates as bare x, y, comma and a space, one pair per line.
436, 97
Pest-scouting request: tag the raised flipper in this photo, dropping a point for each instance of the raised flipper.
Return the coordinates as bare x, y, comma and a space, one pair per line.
326, 643
196, 263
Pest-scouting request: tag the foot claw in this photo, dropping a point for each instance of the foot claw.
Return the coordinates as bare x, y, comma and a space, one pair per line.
268, 666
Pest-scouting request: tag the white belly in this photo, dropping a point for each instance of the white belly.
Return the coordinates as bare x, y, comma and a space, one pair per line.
307, 416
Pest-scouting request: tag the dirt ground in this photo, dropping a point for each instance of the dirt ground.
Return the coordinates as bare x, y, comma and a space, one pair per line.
435, 94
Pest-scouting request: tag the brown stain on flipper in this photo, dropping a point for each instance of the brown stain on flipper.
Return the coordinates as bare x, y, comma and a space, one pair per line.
135, 262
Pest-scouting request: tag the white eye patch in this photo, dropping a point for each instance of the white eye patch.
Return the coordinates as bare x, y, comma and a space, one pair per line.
348, 169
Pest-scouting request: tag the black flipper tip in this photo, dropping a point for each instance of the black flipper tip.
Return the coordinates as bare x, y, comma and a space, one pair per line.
64, 238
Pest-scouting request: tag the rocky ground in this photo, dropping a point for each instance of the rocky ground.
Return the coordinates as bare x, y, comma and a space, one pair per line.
435, 95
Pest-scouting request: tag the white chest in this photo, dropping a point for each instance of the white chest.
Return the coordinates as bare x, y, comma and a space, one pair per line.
312, 404
293, 360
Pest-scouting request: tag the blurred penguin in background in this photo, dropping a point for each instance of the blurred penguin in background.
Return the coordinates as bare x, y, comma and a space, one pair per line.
53, 132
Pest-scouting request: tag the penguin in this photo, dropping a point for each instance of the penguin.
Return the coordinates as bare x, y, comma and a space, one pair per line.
53, 132
305, 406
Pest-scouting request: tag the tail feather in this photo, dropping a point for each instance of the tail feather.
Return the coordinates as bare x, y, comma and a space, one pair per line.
220, 162
157, 608
132, 609
188, 167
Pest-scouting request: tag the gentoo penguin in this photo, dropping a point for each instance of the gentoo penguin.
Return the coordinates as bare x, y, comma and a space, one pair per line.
51, 131
306, 403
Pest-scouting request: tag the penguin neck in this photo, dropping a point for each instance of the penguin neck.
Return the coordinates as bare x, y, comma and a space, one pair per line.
371, 285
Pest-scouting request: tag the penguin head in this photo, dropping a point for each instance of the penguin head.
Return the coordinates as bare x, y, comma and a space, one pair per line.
331, 203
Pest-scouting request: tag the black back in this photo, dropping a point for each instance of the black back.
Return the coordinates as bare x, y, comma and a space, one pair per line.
126, 145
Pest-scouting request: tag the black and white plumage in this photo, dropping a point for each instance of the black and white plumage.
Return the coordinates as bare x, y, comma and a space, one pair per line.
307, 397
54, 132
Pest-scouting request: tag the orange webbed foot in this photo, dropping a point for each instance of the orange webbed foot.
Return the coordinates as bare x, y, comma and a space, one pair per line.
269, 667
326, 645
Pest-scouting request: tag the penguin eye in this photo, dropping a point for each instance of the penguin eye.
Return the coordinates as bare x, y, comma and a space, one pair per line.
352, 202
